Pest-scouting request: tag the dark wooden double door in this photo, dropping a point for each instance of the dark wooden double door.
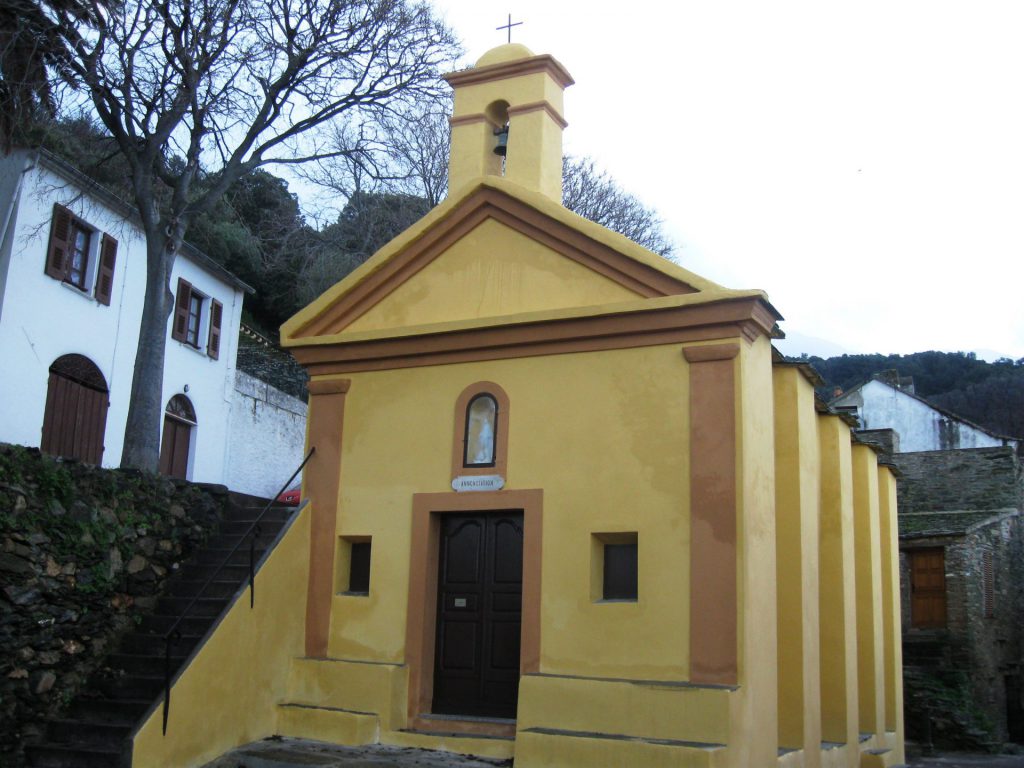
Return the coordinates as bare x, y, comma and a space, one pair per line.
479, 614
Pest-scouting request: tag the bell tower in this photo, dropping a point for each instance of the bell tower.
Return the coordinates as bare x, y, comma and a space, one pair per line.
508, 120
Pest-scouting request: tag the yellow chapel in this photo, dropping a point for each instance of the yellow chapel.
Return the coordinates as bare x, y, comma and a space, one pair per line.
566, 505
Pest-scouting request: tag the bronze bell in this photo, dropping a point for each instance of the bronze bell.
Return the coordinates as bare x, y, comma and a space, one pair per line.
501, 148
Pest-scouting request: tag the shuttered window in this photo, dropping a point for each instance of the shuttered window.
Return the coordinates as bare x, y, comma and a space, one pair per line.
187, 325
68, 254
105, 274
988, 586
213, 345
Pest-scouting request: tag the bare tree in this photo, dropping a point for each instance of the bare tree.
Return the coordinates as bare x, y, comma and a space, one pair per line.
595, 195
210, 90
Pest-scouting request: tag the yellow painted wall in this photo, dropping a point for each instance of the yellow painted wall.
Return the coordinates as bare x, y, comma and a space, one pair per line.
227, 695
891, 629
754, 736
534, 156
870, 665
604, 434
797, 498
837, 584
492, 271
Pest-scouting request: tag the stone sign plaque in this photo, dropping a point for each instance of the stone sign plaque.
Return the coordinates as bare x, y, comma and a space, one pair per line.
478, 483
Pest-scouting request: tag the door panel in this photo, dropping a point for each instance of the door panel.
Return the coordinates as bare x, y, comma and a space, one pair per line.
174, 448
74, 420
476, 670
928, 587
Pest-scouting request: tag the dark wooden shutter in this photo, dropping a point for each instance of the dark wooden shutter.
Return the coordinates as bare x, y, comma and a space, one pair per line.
105, 274
213, 347
179, 329
57, 250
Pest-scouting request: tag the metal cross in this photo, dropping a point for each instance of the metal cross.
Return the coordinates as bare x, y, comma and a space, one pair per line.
509, 27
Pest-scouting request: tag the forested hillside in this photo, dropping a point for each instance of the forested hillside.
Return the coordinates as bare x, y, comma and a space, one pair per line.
989, 394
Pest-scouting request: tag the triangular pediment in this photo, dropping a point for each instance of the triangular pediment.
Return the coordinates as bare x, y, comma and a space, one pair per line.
494, 250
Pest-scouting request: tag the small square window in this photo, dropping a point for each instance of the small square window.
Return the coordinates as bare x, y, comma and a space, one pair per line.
614, 573
359, 570
354, 565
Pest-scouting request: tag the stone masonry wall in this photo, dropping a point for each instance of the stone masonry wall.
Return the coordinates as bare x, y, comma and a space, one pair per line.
83, 551
972, 479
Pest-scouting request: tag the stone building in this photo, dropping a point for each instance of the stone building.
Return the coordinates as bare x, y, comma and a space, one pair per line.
565, 504
962, 576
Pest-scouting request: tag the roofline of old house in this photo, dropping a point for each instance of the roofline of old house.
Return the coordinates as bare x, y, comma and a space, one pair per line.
62, 167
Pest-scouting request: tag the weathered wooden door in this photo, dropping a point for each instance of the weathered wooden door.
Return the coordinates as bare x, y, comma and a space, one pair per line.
174, 448
75, 415
479, 614
928, 587
176, 442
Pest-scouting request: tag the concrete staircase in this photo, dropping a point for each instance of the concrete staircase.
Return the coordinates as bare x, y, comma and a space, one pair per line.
96, 729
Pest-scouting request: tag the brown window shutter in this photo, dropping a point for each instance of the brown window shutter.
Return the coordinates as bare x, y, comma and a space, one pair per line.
180, 326
105, 274
213, 347
57, 250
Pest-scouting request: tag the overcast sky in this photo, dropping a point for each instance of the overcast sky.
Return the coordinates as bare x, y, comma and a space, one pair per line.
861, 162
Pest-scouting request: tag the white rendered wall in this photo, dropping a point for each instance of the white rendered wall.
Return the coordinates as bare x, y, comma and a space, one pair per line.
42, 319
919, 426
267, 437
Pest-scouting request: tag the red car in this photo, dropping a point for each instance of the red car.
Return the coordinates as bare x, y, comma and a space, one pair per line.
291, 497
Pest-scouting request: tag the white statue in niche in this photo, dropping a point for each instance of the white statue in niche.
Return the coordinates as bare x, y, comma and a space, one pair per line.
480, 426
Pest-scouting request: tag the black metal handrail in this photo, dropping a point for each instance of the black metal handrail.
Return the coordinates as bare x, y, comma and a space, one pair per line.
172, 635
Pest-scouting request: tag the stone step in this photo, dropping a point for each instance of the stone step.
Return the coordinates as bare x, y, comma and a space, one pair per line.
203, 571
87, 733
191, 588
227, 542
217, 555
277, 512
269, 527
158, 624
204, 606
131, 686
51, 756
336, 726
112, 711
147, 665
152, 644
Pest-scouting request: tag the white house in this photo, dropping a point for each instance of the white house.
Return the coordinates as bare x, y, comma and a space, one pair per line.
72, 279
919, 425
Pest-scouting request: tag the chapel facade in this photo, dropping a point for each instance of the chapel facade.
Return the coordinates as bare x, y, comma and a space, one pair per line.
566, 504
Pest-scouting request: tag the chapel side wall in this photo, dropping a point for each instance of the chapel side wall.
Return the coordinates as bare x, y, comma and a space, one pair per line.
891, 629
754, 739
797, 490
867, 563
837, 598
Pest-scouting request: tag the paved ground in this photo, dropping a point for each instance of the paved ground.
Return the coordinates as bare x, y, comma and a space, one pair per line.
298, 753
961, 760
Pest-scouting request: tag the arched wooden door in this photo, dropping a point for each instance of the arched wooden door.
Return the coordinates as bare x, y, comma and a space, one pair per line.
75, 416
175, 446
